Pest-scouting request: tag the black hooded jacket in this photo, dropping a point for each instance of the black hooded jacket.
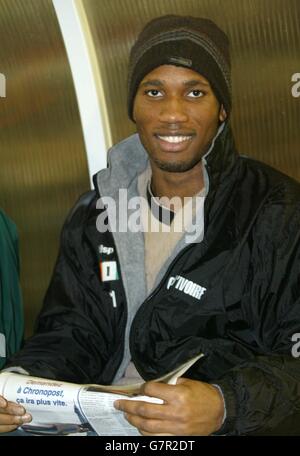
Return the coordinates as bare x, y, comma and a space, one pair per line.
246, 323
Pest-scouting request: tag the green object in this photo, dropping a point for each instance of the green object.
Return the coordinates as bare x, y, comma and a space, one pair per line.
11, 307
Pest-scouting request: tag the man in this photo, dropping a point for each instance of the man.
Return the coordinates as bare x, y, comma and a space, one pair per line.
232, 293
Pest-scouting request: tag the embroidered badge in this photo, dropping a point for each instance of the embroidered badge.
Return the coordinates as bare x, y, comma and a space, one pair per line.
108, 271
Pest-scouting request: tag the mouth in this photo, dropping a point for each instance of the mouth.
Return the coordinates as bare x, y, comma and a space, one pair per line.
173, 143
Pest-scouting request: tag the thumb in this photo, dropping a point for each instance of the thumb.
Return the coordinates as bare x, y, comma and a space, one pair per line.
182, 381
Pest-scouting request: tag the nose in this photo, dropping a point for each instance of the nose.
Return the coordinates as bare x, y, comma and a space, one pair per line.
173, 111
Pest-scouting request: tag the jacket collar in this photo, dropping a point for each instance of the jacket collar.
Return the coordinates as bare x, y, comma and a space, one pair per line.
127, 159
220, 159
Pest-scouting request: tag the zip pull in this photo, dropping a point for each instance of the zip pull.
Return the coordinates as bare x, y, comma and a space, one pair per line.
112, 294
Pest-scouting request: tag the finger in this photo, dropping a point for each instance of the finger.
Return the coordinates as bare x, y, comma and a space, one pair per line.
3, 402
12, 409
160, 390
143, 409
157, 435
182, 380
13, 420
149, 425
8, 428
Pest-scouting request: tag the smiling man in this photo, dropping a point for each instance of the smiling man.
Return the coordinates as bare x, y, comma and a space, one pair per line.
177, 116
127, 302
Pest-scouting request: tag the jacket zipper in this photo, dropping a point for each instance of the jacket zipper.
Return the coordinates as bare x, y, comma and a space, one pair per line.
138, 315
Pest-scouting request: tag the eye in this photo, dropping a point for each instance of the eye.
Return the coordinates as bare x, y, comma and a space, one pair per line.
196, 93
154, 93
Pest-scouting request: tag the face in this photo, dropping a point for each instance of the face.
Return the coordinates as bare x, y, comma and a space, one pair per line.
177, 115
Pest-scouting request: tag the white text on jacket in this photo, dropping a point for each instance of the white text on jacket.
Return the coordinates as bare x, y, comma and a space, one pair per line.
187, 286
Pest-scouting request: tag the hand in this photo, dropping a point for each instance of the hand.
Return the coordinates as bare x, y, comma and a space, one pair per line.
190, 408
12, 415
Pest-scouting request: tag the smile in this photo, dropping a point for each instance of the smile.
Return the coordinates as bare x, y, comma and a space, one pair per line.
174, 139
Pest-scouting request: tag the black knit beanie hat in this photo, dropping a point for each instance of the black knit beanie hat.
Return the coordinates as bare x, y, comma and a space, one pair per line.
191, 42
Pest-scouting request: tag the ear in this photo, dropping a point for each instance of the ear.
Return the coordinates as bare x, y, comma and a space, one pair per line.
222, 114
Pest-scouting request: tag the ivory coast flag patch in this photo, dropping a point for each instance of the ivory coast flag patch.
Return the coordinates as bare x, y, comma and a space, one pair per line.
108, 271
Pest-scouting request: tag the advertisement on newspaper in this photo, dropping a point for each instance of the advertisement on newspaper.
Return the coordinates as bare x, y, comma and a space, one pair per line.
62, 408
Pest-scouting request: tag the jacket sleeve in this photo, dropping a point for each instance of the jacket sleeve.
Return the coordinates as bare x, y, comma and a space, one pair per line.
262, 395
74, 338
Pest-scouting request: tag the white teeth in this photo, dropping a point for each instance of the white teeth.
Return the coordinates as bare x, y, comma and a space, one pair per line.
174, 139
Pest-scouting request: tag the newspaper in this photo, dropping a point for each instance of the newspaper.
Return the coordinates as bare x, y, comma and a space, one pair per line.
62, 408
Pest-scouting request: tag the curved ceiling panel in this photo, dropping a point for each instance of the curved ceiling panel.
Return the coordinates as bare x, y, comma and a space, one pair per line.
43, 163
265, 38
